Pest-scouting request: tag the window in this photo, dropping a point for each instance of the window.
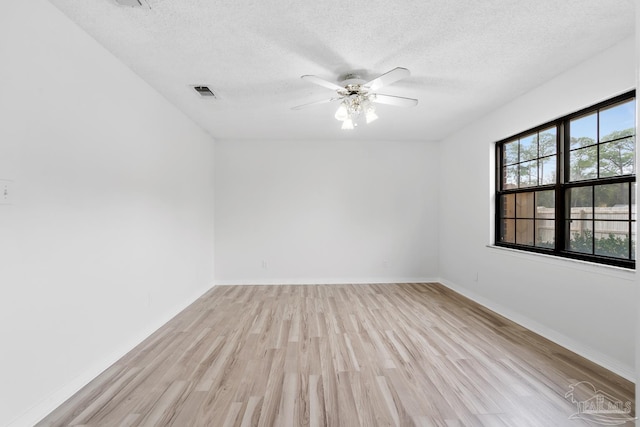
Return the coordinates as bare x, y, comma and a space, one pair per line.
567, 188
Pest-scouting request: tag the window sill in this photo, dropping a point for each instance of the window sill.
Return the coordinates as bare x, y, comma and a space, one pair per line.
603, 269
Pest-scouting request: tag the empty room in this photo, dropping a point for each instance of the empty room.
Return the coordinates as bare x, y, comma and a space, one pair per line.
278, 213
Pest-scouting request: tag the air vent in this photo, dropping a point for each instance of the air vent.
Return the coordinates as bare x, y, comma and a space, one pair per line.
204, 91
132, 3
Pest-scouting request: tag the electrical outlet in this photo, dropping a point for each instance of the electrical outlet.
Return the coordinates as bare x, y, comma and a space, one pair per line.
6, 192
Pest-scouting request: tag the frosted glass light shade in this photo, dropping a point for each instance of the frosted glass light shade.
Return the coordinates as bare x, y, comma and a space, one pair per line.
342, 113
347, 124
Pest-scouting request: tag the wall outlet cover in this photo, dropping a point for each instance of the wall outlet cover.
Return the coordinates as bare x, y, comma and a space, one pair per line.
6, 192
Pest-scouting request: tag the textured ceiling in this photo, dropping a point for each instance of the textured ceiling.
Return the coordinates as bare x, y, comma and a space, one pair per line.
466, 57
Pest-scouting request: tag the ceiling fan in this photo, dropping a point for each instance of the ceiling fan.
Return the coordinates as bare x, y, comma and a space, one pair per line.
357, 96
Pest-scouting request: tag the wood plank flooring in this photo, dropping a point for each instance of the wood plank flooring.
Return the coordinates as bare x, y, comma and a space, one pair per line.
340, 355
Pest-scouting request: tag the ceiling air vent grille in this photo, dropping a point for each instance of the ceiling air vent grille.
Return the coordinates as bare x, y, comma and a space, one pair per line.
133, 3
204, 91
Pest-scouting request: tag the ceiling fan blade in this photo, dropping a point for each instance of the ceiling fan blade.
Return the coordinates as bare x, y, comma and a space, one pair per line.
398, 101
322, 82
388, 78
324, 101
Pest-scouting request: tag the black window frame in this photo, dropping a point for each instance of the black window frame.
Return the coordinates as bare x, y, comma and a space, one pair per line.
562, 187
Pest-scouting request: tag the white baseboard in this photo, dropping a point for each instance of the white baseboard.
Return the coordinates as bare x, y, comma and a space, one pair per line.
46, 406
627, 372
331, 281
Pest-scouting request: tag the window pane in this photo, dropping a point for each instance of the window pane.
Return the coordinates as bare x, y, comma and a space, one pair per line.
507, 231
529, 147
545, 204
547, 142
508, 206
545, 233
510, 174
583, 162
612, 238
617, 158
580, 236
524, 232
510, 153
618, 121
547, 170
583, 131
612, 202
579, 203
529, 174
524, 205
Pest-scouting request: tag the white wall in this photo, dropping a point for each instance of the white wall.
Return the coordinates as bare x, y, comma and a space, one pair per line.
588, 309
325, 211
111, 229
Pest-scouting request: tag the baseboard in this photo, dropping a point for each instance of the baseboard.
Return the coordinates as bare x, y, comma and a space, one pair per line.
46, 406
627, 372
329, 281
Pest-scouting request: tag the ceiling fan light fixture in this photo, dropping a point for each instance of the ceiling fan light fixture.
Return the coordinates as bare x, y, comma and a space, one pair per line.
357, 96
347, 124
371, 115
342, 112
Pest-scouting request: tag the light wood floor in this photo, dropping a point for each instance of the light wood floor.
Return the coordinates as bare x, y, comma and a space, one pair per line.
348, 355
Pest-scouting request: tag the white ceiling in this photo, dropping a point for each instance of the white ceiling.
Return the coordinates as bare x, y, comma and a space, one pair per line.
466, 57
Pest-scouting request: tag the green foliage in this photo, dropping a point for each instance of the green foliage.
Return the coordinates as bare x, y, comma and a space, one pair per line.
545, 244
612, 246
617, 155
547, 143
530, 171
546, 198
605, 195
617, 158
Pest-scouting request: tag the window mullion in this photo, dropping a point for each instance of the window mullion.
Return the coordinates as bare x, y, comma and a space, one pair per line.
597, 152
560, 178
630, 225
593, 220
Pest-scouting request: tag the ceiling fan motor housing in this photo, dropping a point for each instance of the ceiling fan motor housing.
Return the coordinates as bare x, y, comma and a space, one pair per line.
352, 79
